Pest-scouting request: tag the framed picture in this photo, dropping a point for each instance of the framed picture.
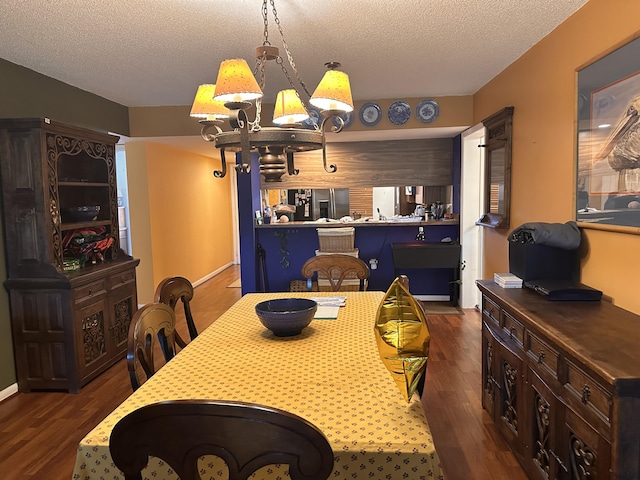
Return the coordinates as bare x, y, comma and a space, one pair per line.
608, 153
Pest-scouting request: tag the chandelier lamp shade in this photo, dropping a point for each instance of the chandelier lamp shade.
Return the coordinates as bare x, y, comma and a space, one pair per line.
205, 107
236, 91
333, 93
288, 109
236, 83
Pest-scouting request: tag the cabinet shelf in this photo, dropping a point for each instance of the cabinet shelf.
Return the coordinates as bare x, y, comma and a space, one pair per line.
94, 223
83, 184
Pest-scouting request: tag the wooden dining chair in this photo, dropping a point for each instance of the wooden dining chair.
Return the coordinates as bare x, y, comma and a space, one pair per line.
335, 267
170, 291
152, 327
246, 436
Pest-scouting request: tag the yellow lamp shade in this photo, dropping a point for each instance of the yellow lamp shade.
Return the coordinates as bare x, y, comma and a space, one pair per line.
204, 106
333, 92
289, 109
236, 82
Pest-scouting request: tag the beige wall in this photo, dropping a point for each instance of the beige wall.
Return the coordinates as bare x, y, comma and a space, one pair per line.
541, 85
140, 218
455, 111
180, 215
25, 93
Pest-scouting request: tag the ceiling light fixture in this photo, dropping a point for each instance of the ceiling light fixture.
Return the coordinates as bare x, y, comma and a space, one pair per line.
237, 88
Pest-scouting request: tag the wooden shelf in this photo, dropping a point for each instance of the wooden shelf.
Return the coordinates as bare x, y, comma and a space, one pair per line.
94, 223
83, 184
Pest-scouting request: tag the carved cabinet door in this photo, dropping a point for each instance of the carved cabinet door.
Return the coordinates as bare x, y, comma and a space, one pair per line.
489, 382
544, 412
122, 305
92, 348
586, 453
509, 404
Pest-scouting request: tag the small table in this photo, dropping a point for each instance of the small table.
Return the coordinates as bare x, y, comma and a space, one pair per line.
428, 255
331, 374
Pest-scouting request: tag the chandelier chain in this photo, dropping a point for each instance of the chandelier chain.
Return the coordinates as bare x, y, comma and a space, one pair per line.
265, 20
286, 47
260, 73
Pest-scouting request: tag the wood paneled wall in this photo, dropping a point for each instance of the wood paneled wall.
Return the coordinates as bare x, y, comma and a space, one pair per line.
374, 164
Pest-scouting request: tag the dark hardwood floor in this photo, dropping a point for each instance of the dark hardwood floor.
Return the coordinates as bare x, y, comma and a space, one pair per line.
39, 432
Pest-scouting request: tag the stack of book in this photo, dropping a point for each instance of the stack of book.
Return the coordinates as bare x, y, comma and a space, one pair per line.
507, 280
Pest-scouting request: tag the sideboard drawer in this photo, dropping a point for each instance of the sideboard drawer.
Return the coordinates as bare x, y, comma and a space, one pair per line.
491, 311
545, 356
514, 328
122, 278
588, 391
89, 291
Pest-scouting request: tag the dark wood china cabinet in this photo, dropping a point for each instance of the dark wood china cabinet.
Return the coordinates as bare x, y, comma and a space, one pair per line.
561, 381
72, 289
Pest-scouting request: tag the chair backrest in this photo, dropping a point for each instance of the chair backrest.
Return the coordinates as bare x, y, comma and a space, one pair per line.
170, 291
336, 267
246, 436
151, 326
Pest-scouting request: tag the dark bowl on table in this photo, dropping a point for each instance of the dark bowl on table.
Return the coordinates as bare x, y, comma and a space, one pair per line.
86, 213
286, 317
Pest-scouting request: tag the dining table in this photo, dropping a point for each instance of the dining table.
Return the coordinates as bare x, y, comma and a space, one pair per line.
331, 374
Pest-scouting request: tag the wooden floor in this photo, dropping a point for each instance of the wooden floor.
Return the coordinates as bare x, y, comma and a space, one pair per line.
39, 432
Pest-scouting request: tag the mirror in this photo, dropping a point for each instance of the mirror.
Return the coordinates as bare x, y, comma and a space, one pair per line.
497, 186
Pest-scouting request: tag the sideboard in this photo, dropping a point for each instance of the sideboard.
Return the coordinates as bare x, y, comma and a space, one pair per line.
561, 381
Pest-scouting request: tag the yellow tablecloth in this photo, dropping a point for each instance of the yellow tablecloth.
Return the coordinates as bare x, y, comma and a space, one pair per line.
331, 375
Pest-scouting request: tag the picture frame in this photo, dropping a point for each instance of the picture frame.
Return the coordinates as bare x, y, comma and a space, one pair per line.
608, 141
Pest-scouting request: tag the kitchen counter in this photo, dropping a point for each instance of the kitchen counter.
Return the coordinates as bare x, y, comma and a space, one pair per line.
357, 224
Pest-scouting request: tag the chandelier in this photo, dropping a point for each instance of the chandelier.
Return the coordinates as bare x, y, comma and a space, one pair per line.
237, 90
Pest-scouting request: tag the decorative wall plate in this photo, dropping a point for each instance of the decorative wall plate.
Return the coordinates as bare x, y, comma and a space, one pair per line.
399, 112
370, 114
315, 114
427, 111
347, 117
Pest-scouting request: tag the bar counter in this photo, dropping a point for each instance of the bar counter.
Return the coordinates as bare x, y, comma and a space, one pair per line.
358, 224
286, 246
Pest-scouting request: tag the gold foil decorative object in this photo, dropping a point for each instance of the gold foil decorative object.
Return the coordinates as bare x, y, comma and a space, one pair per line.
403, 337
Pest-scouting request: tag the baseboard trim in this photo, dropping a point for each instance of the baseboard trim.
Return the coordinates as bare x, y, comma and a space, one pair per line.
205, 278
9, 391
433, 298
211, 275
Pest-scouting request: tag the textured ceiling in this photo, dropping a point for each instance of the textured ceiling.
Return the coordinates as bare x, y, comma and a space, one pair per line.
156, 52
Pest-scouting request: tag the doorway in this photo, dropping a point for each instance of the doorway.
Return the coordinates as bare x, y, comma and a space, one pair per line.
471, 206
